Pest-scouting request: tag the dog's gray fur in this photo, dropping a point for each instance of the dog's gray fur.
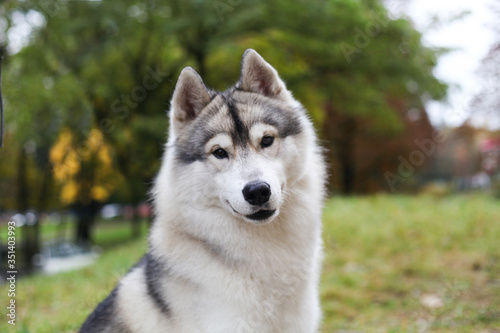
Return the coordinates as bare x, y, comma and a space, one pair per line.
236, 243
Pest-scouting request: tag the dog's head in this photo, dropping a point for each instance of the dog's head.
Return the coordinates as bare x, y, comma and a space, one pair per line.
237, 150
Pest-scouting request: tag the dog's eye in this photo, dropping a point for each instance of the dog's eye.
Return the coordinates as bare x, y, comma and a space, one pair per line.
220, 153
267, 141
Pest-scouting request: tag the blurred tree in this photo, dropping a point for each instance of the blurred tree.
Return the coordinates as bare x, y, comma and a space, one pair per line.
84, 169
110, 66
25, 175
114, 62
358, 72
85, 72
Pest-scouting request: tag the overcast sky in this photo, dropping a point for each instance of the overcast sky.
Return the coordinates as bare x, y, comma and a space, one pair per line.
471, 36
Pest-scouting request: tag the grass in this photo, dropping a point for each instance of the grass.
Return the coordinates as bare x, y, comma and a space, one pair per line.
383, 256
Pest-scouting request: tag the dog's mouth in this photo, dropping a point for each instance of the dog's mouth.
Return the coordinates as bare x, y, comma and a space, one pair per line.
261, 215
258, 216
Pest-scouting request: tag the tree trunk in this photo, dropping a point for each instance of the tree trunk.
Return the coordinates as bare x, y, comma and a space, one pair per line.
86, 217
136, 223
22, 185
200, 56
22, 207
340, 130
345, 154
42, 207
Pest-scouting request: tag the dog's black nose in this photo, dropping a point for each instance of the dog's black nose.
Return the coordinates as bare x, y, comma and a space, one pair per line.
257, 193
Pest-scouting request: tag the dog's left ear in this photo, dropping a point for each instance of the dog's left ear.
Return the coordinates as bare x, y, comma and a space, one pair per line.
259, 77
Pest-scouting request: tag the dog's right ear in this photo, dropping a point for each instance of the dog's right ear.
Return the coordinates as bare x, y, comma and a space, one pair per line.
189, 98
260, 77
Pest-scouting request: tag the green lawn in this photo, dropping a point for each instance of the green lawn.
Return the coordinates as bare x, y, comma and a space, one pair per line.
384, 257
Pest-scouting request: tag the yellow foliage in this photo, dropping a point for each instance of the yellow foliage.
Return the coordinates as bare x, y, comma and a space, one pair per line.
69, 192
70, 160
60, 147
64, 158
95, 140
99, 193
104, 156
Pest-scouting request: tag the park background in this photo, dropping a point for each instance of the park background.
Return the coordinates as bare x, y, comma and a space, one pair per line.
412, 225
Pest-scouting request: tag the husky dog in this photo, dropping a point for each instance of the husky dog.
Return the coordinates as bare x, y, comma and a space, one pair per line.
236, 244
